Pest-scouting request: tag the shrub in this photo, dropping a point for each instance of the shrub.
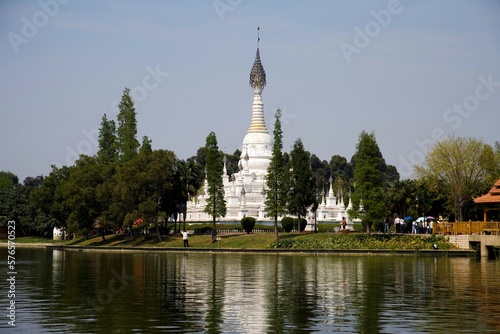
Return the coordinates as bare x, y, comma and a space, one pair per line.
248, 224
203, 230
303, 223
287, 224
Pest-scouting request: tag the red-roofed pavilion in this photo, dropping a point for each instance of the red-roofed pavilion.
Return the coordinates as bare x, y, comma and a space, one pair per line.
491, 198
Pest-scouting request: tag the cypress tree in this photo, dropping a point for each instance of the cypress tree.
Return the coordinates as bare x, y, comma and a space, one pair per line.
277, 188
216, 204
107, 140
128, 144
302, 183
369, 166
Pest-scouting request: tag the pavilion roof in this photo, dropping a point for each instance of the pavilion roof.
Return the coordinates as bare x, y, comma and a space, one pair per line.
493, 196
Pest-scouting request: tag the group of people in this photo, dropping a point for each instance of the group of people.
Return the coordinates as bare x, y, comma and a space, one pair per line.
402, 226
422, 227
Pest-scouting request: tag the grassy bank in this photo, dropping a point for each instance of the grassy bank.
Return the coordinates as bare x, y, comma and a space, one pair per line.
302, 241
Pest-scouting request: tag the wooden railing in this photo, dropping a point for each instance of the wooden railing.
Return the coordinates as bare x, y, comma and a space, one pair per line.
457, 228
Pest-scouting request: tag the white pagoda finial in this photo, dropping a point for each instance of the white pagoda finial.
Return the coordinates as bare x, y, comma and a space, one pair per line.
257, 81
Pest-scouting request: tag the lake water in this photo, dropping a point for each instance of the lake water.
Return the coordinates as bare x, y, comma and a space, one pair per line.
72, 291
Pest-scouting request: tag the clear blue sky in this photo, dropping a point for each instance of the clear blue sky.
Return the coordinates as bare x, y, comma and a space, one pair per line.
411, 71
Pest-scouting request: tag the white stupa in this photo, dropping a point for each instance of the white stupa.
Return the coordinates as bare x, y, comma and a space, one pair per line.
244, 191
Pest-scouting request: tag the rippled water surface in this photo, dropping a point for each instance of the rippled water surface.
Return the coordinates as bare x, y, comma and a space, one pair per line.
147, 292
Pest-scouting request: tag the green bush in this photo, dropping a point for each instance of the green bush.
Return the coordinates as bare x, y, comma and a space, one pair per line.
362, 241
303, 223
287, 224
204, 229
248, 224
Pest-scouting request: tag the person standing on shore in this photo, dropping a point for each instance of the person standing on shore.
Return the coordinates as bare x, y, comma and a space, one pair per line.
399, 223
396, 224
185, 238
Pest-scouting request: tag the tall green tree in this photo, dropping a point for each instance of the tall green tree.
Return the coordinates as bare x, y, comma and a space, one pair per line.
146, 145
107, 163
276, 183
321, 172
232, 162
342, 176
216, 204
496, 148
36, 222
145, 190
107, 140
461, 168
48, 196
15, 204
369, 181
157, 195
128, 144
33, 182
104, 196
8, 179
341, 170
125, 190
401, 197
200, 156
302, 189
79, 195
189, 178
320, 175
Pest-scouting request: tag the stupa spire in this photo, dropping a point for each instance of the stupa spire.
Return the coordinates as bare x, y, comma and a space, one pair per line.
257, 75
257, 82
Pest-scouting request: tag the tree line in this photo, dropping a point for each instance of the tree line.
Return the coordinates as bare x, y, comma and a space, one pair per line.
128, 185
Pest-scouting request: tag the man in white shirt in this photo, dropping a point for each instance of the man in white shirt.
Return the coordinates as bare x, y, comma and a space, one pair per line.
397, 224
185, 238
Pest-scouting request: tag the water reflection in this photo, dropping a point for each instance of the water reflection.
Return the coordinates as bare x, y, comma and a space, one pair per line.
99, 292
